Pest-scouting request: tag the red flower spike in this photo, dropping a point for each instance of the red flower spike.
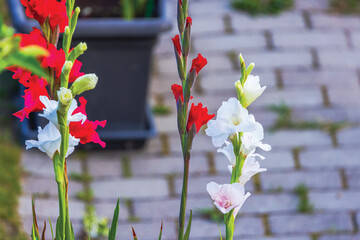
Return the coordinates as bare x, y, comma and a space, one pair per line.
178, 92
40, 10
198, 63
188, 21
177, 45
36, 88
198, 116
86, 131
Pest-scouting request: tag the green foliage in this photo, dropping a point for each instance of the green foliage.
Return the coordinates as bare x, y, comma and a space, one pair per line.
255, 7
161, 110
137, 8
304, 205
285, 121
212, 214
93, 225
112, 231
10, 189
345, 6
12, 54
87, 195
81, 177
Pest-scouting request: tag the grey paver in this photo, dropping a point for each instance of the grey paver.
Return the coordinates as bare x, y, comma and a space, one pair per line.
353, 177
330, 158
284, 224
103, 165
340, 200
320, 39
289, 180
296, 138
130, 188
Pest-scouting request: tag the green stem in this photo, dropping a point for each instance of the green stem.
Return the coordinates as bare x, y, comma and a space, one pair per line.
184, 197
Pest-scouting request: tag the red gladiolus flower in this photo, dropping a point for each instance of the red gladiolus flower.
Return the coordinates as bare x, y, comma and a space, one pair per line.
178, 92
86, 131
75, 71
36, 88
188, 21
198, 116
176, 41
198, 63
41, 9
180, 1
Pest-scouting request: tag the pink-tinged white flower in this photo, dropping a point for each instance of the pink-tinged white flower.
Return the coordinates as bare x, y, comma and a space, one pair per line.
50, 111
251, 90
252, 140
49, 140
231, 118
228, 196
250, 168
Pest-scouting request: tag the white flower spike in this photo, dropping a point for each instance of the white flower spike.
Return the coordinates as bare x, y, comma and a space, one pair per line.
231, 119
228, 196
49, 140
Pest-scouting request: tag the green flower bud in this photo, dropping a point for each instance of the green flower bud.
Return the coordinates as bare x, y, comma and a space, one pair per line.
239, 89
84, 83
65, 96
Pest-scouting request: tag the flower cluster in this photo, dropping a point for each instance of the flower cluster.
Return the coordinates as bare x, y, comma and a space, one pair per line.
237, 135
47, 95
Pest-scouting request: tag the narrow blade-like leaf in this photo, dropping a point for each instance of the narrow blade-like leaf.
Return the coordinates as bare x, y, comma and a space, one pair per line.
51, 228
134, 234
43, 233
161, 228
112, 232
188, 228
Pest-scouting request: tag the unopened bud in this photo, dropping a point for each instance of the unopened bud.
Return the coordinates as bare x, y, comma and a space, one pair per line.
84, 83
239, 89
65, 96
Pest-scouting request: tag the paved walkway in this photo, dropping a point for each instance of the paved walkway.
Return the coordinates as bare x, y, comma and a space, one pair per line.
309, 60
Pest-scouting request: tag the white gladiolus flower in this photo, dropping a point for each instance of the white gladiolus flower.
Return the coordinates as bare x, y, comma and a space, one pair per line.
252, 90
228, 196
49, 141
250, 168
252, 140
50, 111
228, 151
231, 118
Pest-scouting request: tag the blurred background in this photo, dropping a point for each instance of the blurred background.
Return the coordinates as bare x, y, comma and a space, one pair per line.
307, 53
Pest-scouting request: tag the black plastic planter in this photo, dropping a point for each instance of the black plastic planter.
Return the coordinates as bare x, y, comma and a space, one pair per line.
119, 52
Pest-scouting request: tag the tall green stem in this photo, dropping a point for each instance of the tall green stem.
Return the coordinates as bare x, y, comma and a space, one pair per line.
184, 196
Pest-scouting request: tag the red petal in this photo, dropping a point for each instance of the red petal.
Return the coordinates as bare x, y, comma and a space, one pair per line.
178, 92
198, 116
176, 42
198, 63
86, 131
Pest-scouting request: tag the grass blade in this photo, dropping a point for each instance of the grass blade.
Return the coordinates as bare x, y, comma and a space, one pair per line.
112, 232
161, 228
188, 228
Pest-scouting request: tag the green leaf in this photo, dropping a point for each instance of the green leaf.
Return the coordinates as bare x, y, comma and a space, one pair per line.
34, 51
161, 228
27, 62
35, 225
112, 232
134, 234
59, 229
220, 232
51, 228
188, 228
